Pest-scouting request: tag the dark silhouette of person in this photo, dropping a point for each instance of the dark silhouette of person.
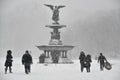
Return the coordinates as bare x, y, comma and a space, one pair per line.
27, 61
42, 58
88, 62
82, 60
102, 60
8, 62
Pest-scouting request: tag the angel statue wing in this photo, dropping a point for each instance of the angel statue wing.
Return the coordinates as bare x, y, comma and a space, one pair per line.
50, 6
61, 6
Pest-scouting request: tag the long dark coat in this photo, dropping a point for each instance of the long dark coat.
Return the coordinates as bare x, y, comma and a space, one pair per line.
9, 60
27, 59
82, 59
88, 61
101, 58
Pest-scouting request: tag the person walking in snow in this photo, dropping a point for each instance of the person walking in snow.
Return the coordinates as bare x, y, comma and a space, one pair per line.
82, 60
27, 61
88, 62
8, 62
101, 60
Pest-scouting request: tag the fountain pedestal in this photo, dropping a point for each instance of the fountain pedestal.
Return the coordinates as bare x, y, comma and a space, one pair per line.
56, 52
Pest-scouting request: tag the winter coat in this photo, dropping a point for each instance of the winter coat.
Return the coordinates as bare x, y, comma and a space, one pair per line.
101, 59
82, 58
26, 59
88, 61
9, 60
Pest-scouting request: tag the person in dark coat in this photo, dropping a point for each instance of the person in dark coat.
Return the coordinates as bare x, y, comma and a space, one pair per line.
8, 62
27, 61
82, 60
102, 60
42, 58
88, 62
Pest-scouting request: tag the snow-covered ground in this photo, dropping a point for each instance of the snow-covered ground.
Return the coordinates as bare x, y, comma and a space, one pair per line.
60, 71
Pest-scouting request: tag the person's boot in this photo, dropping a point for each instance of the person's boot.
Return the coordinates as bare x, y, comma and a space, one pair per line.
26, 71
81, 69
101, 68
10, 70
5, 70
88, 70
29, 71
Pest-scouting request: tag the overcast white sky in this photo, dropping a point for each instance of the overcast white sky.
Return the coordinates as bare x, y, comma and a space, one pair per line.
92, 25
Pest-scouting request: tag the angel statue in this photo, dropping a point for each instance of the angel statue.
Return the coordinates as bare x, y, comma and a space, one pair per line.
55, 10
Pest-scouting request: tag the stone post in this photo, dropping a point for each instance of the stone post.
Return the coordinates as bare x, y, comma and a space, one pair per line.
45, 54
65, 54
48, 54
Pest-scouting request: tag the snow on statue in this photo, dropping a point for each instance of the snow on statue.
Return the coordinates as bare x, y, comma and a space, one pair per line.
55, 10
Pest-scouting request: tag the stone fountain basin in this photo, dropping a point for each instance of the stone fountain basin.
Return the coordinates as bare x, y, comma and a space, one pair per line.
55, 47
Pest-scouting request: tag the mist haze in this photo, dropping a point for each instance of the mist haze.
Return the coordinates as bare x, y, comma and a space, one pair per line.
92, 26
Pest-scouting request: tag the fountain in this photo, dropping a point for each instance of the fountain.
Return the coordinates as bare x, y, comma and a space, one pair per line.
55, 51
